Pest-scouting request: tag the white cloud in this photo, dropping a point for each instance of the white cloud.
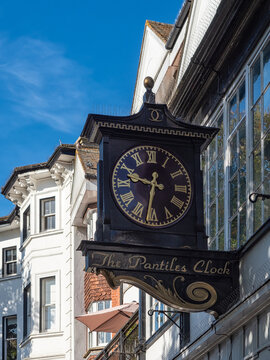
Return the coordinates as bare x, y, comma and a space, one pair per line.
41, 84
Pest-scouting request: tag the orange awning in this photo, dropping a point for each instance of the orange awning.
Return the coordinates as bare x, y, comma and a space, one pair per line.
109, 320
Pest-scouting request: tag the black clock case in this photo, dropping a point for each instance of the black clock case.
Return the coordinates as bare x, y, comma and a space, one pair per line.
114, 141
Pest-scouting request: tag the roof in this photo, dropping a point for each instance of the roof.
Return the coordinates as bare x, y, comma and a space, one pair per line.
9, 218
89, 157
162, 30
67, 149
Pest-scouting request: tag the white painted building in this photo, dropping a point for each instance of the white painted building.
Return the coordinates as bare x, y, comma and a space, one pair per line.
42, 278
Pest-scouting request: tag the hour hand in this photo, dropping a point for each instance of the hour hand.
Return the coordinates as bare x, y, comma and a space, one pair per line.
135, 178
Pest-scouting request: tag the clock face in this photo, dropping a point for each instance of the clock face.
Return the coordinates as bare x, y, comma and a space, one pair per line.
151, 186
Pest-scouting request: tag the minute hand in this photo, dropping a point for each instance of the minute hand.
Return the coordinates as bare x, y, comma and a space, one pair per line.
152, 194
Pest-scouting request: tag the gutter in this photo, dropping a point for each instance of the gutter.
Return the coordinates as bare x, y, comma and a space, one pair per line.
181, 18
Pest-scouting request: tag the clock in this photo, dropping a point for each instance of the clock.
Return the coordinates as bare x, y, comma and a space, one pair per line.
151, 186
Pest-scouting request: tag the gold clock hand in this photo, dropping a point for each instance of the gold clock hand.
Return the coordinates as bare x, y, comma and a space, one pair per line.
152, 194
135, 178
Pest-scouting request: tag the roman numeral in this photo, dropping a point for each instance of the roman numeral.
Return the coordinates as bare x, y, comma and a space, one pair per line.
176, 173
153, 215
127, 198
167, 213
177, 202
181, 188
124, 166
121, 183
138, 210
165, 162
152, 157
137, 158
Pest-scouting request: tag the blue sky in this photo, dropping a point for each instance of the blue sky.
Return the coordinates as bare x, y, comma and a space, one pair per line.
59, 61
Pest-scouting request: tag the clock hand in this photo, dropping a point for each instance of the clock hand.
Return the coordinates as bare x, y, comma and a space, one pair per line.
152, 194
135, 178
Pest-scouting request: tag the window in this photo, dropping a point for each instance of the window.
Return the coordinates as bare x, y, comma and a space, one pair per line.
99, 338
26, 223
47, 214
10, 338
9, 261
27, 311
47, 304
237, 162
260, 151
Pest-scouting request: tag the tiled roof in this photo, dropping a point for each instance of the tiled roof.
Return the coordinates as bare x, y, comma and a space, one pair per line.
9, 218
160, 29
89, 157
63, 148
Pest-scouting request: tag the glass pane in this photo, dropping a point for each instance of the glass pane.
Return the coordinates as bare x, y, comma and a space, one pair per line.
234, 234
242, 101
257, 123
49, 222
11, 268
213, 220
221, 211
212, 151
12, 350
11, 328
257, 167
49, 317
242, 189
49, 206
107, 304
212, 176
220, 135
266, 65
266, 113
213, 244
242, 235
100, 305
266, 163
257, 213
50, 291
11, 255
220, 174
233, 113
233, 196
221, 241
101, 338
233, 151
242, 145
266, 201
256, 81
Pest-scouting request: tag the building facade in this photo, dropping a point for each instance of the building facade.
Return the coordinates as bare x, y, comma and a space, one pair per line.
213, 69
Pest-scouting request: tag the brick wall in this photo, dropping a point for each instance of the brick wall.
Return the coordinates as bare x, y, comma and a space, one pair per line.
97, 289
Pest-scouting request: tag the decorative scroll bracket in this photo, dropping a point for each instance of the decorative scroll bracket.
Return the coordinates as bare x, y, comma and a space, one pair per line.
188, 280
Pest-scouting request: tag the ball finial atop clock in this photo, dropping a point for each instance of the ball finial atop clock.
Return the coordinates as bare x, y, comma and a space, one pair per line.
148, 83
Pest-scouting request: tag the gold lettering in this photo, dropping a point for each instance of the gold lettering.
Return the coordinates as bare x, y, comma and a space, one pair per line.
165, 162
137, 158
177, 202
168, 214
139, 259
121, 183
153, 215
124, 166
138, 210
181, 188
152, 157
198, 265
176, 173
127, 198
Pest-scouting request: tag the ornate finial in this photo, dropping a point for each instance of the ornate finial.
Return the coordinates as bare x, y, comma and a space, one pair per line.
149, 96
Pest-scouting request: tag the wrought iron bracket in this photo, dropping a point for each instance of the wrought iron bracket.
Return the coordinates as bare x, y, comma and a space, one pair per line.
151, 313
254, 197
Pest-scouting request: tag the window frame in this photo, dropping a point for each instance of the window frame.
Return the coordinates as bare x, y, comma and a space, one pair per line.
26, 223
27, 310
44, 216
44, 306
5, 339
243, 79
4, 267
